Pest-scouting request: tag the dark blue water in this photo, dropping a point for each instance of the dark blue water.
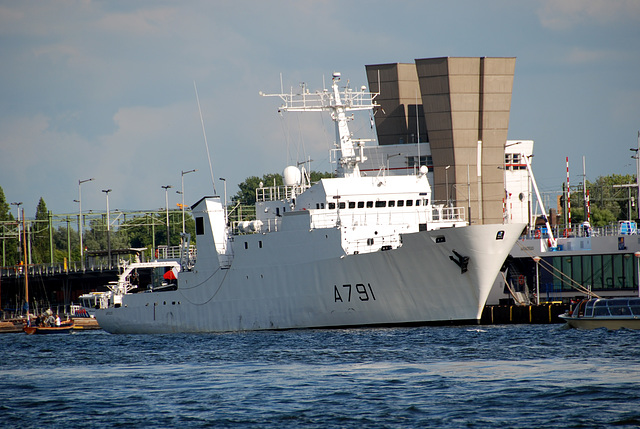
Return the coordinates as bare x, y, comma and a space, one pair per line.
516, 376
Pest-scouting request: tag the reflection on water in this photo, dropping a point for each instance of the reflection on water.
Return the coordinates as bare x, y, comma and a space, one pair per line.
512, 376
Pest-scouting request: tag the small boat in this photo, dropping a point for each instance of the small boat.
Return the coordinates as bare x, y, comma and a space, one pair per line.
612, 313
64, 328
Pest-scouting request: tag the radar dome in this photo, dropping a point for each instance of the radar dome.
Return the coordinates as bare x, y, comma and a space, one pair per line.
424, 169
292, 176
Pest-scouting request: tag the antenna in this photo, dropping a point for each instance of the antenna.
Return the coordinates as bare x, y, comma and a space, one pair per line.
205, 138
418, 132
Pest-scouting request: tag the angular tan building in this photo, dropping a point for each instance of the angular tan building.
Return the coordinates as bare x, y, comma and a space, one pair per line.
463, 112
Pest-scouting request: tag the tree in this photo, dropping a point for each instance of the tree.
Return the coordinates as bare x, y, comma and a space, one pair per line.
40, 230
8, 232
247, 193
609, 204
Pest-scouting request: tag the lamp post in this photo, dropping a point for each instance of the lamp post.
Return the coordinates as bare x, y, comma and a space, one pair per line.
80, 182
183, 173
225, 198
637, 255
446, 181
537, 260
18, 227
166, 198
106, 191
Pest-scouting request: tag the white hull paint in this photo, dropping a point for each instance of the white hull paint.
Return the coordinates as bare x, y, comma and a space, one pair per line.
292, 287
351, 250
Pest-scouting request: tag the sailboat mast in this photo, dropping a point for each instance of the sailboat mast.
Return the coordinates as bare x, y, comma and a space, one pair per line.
26, 271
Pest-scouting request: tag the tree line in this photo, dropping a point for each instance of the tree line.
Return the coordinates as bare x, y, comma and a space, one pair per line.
49, 244
53, 239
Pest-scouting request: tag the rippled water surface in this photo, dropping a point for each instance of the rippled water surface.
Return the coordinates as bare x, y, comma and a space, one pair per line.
489, 376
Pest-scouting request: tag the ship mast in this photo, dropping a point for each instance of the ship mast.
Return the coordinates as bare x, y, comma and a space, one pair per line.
338, 103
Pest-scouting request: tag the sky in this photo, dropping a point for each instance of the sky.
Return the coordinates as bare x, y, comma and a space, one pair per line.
107, 89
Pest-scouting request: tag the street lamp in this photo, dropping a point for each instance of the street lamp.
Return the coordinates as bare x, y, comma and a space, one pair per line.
166, 197
225, 190
225, 198
537, 261
446, 181
80, 182
183, 173
637, 255
106, 191
18, 228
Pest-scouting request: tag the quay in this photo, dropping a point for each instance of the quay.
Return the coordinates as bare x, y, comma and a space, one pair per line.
523, 314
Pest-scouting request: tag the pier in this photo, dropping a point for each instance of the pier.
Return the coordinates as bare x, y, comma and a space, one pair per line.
519, 314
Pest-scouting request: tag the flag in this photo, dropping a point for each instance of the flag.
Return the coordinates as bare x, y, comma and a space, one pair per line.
172, 274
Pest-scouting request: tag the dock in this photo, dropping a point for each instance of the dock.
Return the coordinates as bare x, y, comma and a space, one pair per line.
523, 314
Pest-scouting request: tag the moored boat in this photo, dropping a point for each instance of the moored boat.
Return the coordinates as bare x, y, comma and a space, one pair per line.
613, 313
64, 328
353, 250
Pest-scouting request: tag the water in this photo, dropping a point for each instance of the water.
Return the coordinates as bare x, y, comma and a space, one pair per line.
516, 376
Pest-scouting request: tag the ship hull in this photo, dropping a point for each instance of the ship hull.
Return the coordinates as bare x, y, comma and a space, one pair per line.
311, 283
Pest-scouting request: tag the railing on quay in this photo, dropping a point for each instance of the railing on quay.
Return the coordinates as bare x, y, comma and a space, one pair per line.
92, 265
581, 230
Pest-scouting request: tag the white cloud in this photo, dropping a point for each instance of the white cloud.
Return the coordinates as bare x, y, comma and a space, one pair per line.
581, 55
564, 14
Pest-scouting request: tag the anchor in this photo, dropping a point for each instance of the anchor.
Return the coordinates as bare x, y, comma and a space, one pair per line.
462, 261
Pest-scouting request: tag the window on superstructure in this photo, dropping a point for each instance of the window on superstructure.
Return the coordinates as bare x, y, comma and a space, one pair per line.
332, 206
400, 203
413, 161
317, 205
342, 205
199, 226
381, 203
392, 203
321, 205
418, 202
360, 204
409, 203
369, 204
352, 204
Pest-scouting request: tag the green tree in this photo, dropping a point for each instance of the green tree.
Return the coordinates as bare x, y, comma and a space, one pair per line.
65, 239
9, 233
247, 193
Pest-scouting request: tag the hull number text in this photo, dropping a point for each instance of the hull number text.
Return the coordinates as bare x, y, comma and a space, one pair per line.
346, 293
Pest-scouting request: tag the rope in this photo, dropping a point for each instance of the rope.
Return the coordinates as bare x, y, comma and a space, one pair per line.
200, 284
513, 294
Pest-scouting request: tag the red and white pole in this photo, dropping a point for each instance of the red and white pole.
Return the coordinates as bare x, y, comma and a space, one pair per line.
568, 197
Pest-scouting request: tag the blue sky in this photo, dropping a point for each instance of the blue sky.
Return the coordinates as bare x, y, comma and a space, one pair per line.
105, 89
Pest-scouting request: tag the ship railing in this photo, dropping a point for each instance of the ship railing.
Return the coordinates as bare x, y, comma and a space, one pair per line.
369, 245
447, 214
330, 219
582, 230
277, 193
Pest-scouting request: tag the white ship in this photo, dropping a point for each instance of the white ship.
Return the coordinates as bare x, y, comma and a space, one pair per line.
347, 251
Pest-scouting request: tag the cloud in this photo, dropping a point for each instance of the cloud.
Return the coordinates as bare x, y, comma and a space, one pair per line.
579, 55
565, 14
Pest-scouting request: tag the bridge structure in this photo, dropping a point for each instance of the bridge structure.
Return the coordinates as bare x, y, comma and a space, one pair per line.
46, 254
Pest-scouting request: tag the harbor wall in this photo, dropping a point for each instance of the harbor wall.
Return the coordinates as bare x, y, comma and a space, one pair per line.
518, 314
